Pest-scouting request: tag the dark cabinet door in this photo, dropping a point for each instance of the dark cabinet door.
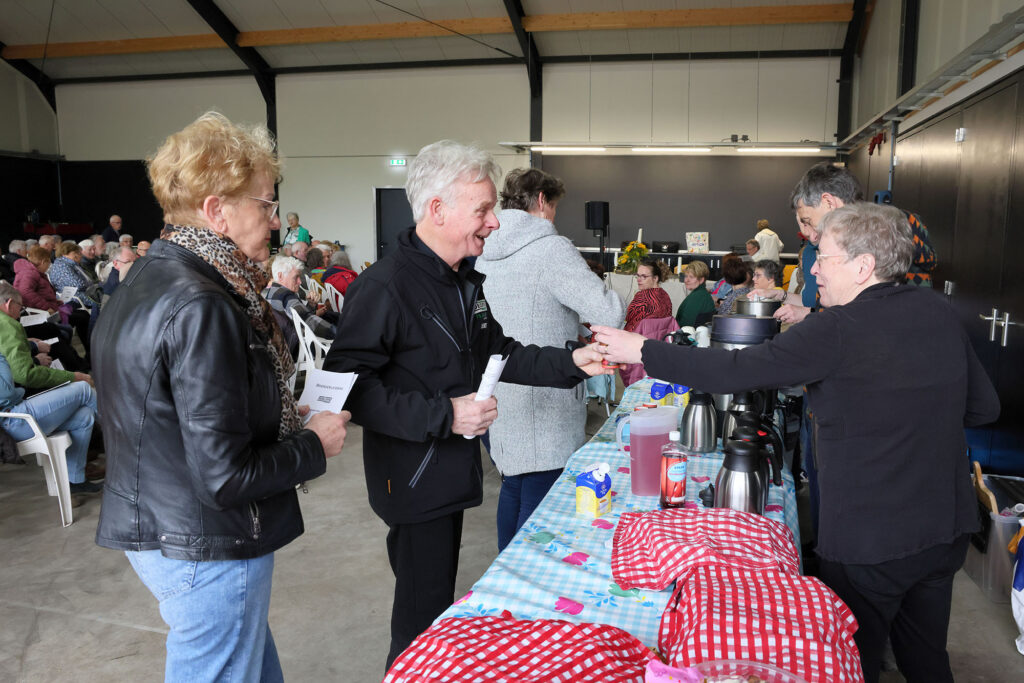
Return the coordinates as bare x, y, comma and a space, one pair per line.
982, 205
1008, 433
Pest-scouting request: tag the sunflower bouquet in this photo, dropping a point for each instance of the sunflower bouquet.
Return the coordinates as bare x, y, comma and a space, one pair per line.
630, 257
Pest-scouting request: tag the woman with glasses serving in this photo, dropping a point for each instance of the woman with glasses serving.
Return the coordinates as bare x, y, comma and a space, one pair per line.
650, 300
204, 441
893, 380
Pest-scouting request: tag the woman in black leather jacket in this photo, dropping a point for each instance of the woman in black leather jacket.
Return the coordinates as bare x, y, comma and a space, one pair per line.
204, 441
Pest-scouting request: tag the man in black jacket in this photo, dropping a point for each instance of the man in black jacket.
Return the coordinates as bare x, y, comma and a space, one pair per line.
418, 330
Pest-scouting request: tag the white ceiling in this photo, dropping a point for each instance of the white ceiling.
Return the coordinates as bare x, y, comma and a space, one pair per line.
25, 22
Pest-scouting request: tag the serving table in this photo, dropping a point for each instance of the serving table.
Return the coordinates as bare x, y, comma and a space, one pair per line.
558, 566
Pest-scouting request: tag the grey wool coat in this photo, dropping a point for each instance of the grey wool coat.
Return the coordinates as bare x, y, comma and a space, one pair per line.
540, 289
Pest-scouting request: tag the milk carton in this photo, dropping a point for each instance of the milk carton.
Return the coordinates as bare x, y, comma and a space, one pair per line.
594, 491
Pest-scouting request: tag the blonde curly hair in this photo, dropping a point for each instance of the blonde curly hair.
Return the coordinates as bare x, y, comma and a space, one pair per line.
210, 156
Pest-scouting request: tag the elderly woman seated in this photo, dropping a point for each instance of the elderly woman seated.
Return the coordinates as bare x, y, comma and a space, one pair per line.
697, 308
66, 271
282, 294
767, 275
339, 273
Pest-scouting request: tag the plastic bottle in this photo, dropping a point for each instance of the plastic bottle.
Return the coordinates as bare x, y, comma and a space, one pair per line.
673, 472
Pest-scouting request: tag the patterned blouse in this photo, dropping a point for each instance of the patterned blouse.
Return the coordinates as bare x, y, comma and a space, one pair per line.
725, 308
648, 303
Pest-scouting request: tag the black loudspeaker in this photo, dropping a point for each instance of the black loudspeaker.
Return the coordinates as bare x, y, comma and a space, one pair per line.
597, 217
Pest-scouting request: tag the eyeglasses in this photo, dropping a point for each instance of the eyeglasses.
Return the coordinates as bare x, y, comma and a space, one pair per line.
643, 277
272, 206
826, 257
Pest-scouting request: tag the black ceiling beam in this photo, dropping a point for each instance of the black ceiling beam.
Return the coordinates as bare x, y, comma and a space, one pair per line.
252, 59
514, 8
677, 56
42, 81
910, 19
846, 63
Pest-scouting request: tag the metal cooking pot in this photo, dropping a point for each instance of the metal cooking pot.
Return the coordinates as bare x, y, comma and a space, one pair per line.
740, 331
760, 309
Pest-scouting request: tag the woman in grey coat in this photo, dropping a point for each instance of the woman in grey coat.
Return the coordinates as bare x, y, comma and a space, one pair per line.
540, 289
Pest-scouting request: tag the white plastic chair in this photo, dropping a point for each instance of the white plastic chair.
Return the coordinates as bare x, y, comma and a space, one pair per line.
312, 349
50, 454
335, 299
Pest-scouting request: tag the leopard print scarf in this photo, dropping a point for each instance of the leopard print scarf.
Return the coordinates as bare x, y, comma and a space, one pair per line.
247, 279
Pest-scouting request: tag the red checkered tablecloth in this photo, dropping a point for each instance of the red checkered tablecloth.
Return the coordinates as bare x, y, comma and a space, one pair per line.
652, 549
794, 622
504, 648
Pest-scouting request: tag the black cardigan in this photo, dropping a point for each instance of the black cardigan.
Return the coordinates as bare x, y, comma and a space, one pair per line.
892, 380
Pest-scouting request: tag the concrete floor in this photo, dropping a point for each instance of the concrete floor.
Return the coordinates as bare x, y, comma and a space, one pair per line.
71, 610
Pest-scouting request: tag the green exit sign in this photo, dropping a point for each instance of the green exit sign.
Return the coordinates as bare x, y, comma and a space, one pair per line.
396, 162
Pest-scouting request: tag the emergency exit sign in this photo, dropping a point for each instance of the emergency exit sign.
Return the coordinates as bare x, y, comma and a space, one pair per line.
396, 162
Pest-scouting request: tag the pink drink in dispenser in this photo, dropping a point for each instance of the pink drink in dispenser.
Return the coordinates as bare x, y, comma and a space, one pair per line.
648, 432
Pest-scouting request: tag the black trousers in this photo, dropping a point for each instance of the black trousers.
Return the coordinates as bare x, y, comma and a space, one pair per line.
906, 600
425, 559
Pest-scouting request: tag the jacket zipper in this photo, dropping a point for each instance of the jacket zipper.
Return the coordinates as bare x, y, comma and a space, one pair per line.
423, 465
430, 315
254, 512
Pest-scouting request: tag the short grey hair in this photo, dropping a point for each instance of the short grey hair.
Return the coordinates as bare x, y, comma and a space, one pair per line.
95, 237
16, 246
124, 237
876, 229
85, 244
826, 177
340, 258
31, 243
292, 214
440, 165
112, 247
284, 265
46, 239
9, 293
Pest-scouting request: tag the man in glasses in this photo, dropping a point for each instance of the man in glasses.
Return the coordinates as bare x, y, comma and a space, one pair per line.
123, 259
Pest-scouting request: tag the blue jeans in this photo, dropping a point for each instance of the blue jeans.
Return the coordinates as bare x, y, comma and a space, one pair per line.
71, 408
217, 612
520, 495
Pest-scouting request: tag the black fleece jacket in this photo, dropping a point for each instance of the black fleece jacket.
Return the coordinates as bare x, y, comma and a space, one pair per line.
419, 333
893, 381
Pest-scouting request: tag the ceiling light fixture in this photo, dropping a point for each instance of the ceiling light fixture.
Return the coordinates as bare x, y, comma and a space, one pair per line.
673, 150
569, 150
779, 150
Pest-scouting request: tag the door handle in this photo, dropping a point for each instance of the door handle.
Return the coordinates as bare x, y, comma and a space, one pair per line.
1005, 322
993, 321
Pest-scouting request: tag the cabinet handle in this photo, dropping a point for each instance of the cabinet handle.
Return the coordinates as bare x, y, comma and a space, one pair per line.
1005, 322
993, 321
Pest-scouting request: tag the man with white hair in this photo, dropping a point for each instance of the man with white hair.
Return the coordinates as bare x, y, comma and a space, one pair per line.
123, 259
88, 262
15, 250
299, 251
282, 295
112, 231
417, 330
125, 240
48, 243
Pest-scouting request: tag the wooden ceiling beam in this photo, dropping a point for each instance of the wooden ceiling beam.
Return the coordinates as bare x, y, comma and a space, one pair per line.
404, 29
590, 21
95, 48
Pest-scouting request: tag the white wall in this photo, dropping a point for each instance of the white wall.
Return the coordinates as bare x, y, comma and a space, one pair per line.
946, 28
875, 71
771, 100
338, 131
949, 26
119, 121
27, 123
